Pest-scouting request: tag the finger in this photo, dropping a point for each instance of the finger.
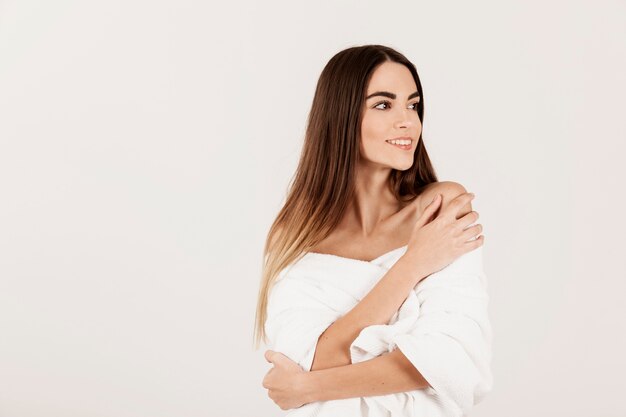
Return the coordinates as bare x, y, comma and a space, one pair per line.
479, 241
468, 219
471, 232
278, 358
472, 244
429, 211
433, 207
268, 355
457, 204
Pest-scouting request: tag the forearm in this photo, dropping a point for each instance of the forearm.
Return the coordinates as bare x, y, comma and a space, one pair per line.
377, 307
386, 374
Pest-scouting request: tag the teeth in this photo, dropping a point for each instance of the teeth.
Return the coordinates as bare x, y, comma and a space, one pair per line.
400, 142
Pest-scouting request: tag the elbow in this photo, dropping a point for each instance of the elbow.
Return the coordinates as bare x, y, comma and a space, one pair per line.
332, 362
327, 356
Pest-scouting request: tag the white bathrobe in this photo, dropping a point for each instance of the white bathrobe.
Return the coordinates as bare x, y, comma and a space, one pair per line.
442, 328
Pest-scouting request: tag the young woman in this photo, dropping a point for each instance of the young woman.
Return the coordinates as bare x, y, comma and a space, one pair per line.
354, 326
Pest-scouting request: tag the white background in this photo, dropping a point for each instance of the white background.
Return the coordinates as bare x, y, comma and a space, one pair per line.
146, 146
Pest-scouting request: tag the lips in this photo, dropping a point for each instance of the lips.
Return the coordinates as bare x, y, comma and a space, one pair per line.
402, 138
403, 147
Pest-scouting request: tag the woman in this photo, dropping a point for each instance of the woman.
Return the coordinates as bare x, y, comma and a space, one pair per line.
353, 332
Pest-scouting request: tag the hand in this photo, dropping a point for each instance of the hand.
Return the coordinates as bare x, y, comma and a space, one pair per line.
285, 382
435, 244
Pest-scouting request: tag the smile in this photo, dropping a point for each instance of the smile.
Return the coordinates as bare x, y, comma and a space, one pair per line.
404, 144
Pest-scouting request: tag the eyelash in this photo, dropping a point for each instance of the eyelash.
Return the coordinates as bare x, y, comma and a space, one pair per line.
388, 103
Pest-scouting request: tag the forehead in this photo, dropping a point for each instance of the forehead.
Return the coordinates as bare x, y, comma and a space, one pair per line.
392, 77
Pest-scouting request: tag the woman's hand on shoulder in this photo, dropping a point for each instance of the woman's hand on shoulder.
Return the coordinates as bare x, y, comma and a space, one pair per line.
441, 233
449, 190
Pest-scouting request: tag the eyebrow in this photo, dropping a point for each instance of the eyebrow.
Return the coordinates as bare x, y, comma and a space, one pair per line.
391, 95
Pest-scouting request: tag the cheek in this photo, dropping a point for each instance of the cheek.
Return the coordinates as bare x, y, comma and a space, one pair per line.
372, 140
418, 122
372, 129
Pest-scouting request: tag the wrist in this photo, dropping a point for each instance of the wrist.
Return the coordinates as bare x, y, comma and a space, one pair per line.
311, 386
413, 267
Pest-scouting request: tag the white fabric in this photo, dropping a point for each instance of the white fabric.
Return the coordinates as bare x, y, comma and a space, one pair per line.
442, 328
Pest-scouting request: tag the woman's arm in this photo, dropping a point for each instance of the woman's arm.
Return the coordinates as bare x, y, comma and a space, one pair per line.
289, 386
377, 307
449, 346
386, 374
302, 326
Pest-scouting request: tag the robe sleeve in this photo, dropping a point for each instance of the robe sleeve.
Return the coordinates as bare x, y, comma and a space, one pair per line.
298, 313
450, 342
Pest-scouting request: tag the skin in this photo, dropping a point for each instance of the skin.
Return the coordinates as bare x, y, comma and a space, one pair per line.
375, 215
381, 223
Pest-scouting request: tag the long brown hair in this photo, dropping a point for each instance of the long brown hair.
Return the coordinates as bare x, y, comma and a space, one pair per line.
323, 183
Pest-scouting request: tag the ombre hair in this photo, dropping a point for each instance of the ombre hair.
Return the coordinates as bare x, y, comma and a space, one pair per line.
324, 180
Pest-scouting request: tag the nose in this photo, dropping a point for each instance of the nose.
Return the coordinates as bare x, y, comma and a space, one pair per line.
407, 119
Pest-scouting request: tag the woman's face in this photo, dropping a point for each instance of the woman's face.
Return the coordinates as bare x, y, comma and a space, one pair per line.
390, 112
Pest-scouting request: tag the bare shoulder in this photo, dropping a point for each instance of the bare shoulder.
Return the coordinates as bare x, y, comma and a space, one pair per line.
449, 190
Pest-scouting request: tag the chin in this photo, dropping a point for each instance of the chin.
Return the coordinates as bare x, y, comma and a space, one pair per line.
402, 167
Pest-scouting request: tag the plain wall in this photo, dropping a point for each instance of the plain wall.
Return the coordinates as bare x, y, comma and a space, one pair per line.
146, 146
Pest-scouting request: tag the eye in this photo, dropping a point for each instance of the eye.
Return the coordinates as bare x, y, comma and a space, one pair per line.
382, 102
388, 104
